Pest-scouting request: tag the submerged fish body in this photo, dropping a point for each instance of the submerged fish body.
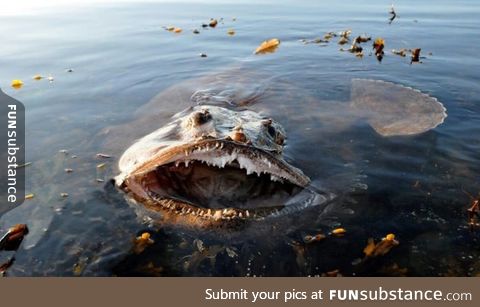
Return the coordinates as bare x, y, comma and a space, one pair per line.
221, 160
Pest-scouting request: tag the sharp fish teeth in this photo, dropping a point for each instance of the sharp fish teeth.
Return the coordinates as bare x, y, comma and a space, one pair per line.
217, 215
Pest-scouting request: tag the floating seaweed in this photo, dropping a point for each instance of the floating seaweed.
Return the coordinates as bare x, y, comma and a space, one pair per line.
329, 35
381, 248
315, 238
393, 14
10, 241
339, 231
101, 165
343, 41
354, 48
13, 237
333, 273
473, 211
213, 23
142, 242
345, 34
299, 250
314, 41
102, 155
378, 46
362, 39
5, 266
401, 52
415, 55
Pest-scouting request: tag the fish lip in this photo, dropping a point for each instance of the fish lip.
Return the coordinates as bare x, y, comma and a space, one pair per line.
270, 162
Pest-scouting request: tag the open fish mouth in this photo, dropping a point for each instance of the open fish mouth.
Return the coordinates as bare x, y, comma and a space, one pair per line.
218, 180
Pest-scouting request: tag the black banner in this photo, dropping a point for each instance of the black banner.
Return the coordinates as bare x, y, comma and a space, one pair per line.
12, 153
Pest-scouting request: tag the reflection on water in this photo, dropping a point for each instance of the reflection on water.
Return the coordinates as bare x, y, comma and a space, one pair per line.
123, 59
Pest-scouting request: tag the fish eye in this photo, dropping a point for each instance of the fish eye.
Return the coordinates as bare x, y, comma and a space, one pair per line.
200, 118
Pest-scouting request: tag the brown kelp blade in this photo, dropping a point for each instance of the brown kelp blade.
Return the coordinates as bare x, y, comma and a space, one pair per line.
393, 109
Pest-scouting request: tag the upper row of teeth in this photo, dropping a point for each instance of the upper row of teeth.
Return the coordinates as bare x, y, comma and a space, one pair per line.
206, 147
219, 162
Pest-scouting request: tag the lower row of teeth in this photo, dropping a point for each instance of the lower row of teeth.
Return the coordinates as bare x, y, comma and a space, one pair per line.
216, 214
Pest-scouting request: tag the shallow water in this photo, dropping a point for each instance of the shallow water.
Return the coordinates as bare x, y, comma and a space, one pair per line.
124, 58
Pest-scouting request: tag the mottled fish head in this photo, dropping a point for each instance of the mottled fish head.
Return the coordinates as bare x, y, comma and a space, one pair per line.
212, 165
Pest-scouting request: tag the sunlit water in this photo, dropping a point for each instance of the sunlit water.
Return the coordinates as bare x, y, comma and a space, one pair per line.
122, 57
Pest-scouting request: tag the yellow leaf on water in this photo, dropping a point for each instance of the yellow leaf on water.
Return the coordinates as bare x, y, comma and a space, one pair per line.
339, 231
268, 46
37, 77
177, 30
231, 32
368, 250
378, 46
170, 28
29, 196
142, 242
379, 41
17, 84
390, 237
381, 248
